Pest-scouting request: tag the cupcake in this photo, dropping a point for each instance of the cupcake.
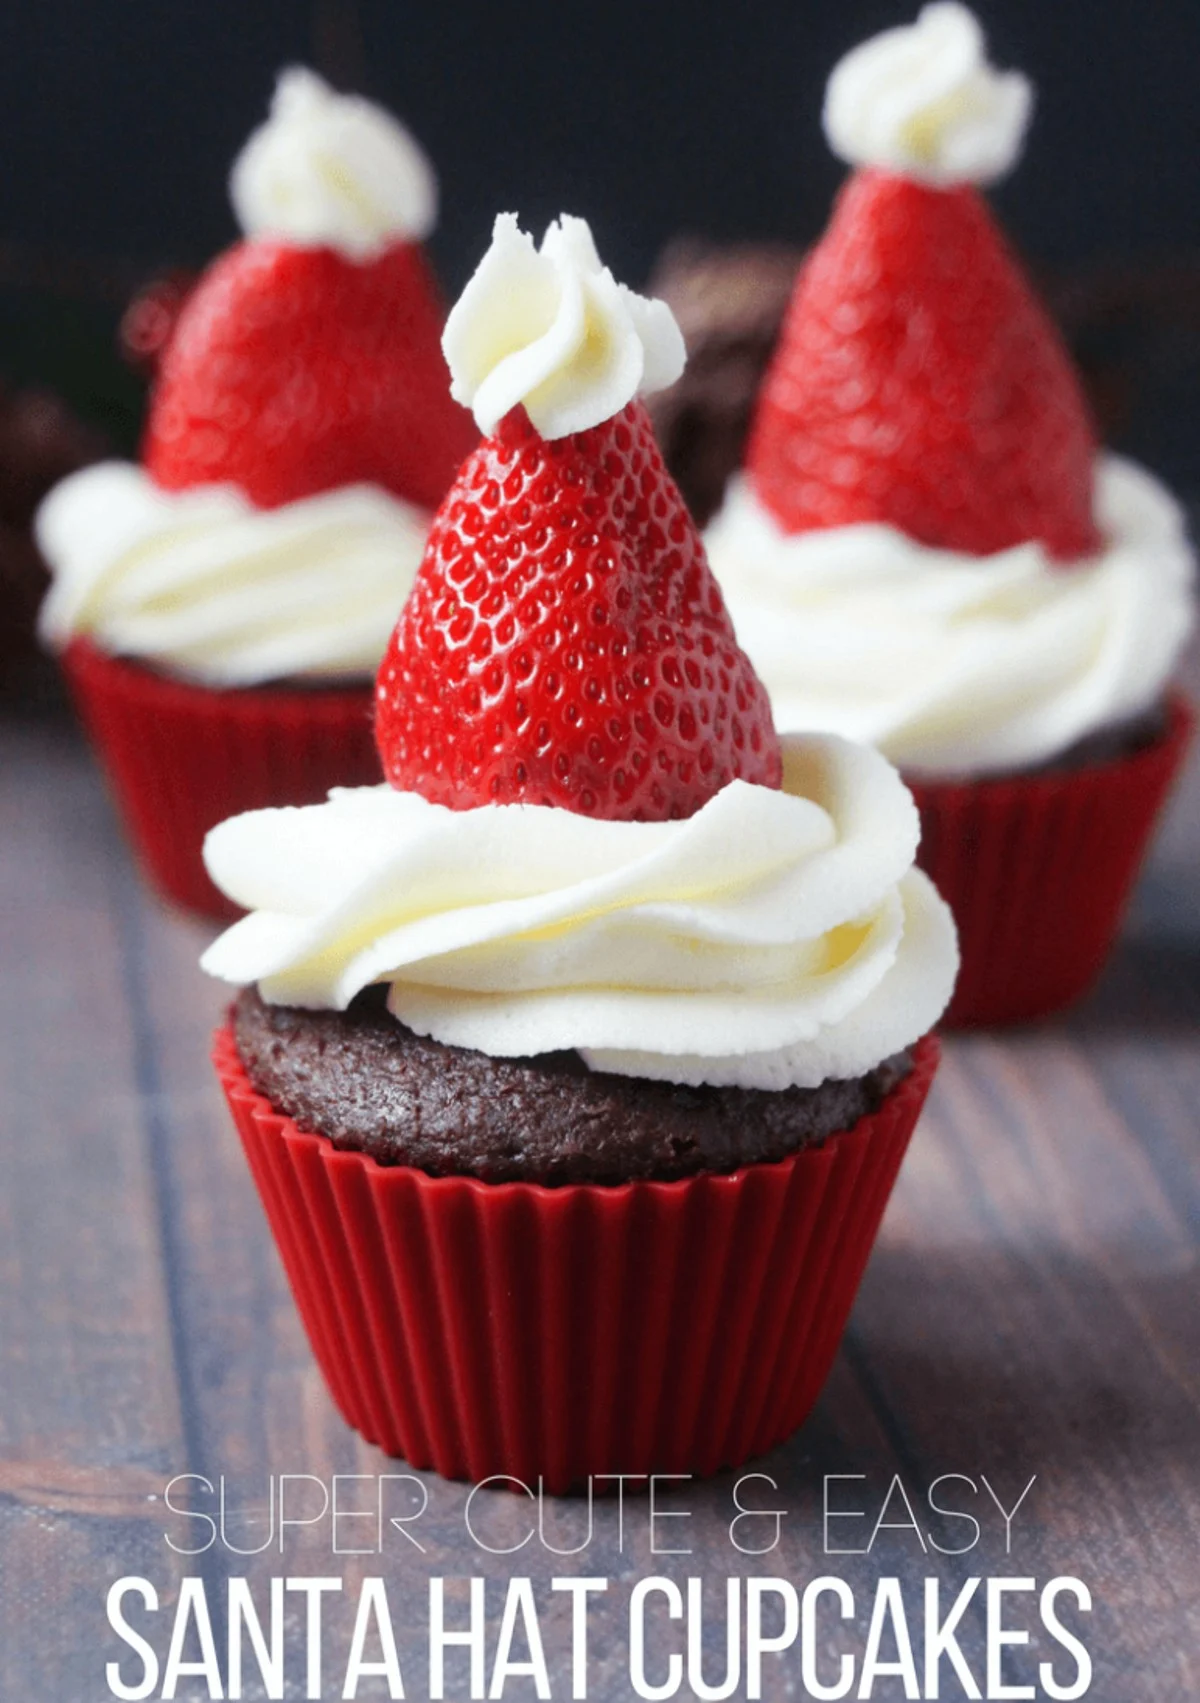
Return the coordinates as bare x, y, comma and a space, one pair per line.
729, 302
927, 551
41, 441
222, 607
575, 1064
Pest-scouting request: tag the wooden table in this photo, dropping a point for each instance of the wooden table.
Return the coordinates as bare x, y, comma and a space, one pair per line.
1031, 1311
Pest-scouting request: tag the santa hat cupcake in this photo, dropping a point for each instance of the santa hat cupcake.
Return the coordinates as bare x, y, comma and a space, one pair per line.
926, 549
575, 1064
222, 607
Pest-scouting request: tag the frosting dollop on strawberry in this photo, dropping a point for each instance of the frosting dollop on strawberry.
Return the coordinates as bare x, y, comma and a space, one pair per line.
551, 329
923, 100
334, 171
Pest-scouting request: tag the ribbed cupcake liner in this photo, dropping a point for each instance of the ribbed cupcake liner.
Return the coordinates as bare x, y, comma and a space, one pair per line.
181, 757
1038, 870
510, 1328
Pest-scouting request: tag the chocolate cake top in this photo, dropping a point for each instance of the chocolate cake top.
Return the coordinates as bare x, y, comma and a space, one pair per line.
366, 1082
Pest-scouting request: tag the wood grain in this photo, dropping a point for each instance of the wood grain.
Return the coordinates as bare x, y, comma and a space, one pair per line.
90, 1416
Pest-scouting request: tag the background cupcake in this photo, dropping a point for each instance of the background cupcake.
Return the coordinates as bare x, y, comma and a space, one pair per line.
926, 550
41, 441
221, 608
582, 1056
729, 302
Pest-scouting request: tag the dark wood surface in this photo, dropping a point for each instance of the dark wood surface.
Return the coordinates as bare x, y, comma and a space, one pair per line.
1032, 1308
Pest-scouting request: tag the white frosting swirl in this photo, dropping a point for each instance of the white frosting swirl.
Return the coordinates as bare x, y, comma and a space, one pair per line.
332, 171
773, 938
956, 664
923, 100
216, 590
552, 328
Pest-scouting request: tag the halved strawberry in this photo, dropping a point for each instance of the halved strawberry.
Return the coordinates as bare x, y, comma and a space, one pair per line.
295, 370
565, 642
919, 382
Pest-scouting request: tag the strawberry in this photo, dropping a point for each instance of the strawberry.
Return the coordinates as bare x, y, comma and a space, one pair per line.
294, 370
919, 382
565, 642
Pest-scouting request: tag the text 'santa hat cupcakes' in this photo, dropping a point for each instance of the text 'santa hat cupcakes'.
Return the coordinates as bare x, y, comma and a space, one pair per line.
222, 608
575, 1065
926, 550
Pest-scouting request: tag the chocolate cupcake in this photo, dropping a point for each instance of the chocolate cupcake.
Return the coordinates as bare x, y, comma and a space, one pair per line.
368, 1083
729, 302
927, 550
222, 606
578, 1061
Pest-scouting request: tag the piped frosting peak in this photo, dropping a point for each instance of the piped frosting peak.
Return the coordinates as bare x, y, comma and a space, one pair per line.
923, 101
332, 171
552, 329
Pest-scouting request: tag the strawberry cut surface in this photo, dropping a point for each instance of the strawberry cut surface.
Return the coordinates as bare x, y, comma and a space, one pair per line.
919, 382
565, 642
296, 370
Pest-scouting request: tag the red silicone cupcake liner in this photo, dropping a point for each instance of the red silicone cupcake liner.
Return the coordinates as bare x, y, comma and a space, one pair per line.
510, 1328
182, 758
1038, 870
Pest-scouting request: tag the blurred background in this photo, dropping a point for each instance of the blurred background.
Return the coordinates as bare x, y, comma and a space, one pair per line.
119, 123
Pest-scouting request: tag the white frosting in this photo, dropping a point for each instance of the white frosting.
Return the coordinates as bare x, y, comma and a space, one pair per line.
330, 170
552, 328
923, 100
211, 588
772, 938
956, 664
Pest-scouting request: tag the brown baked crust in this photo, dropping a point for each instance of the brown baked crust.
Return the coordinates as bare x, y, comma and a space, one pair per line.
367, 1082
